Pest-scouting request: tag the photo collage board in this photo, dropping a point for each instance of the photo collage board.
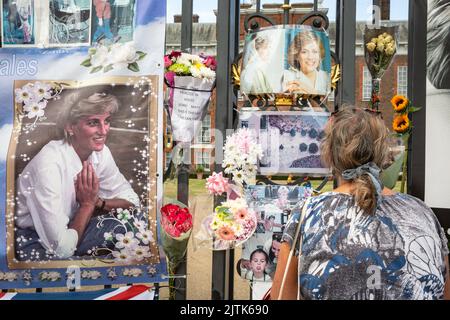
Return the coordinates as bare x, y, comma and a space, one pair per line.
62, 23
291, 61
80, 127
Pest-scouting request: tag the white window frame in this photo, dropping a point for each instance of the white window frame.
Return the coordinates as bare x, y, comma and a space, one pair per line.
402, 80
203, 158
204, 134
366, 85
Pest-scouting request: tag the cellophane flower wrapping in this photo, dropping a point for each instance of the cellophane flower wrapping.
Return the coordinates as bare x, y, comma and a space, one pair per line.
191, 79
380, 49
176, 229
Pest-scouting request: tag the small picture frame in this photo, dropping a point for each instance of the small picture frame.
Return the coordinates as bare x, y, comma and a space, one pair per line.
286, 60
18, 23
290, 141
69, 23
113, 21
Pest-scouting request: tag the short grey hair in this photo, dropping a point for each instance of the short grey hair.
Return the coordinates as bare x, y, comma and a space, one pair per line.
438, 49
78, 107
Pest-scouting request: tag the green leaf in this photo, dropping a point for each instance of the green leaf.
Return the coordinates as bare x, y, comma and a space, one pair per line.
133, 67
141, 55
108, 68
87, 63
96, 69
414, 109
391, 174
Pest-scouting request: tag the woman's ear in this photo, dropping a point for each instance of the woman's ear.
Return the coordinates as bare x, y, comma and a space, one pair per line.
68, 129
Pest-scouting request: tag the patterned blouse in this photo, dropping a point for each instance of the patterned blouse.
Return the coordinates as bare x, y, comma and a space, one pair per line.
397, 254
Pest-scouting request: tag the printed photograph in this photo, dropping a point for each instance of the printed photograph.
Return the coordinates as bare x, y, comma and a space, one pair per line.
307, 62
262, 64
82, 176
290, 60
18, 23
273, 206
112, 21
290, 141
70, 22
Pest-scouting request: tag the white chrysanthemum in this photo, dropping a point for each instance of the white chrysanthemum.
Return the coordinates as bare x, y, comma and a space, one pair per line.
207, 73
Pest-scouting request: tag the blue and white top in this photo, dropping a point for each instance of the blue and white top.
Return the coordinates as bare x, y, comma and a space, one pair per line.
396, 254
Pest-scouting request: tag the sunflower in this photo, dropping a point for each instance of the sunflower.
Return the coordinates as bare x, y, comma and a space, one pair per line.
400, 103
225, 233
401, 123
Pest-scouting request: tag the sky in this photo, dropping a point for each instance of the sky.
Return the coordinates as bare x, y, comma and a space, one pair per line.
204, 8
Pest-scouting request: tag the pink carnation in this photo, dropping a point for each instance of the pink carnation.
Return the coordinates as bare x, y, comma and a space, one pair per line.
167, 62
217, 184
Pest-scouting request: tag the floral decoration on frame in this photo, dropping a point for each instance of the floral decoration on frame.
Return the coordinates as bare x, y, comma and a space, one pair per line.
33, 98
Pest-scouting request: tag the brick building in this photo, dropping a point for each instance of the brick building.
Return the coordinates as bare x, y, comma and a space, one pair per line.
204, 41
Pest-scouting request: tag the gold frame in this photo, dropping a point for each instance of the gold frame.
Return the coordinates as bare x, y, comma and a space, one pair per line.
153, 126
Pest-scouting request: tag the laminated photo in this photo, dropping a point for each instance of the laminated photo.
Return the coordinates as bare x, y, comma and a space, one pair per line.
113, 20
290, 141
286, 60
70, 22
62, 120
18, 23
273, 205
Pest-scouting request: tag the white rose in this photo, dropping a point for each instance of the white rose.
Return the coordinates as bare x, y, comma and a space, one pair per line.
121, 55
100, 58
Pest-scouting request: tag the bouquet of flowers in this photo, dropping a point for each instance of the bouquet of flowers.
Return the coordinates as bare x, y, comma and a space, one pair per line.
380, 48
191, 79
176, 222
232, 224
242, 152
403, 127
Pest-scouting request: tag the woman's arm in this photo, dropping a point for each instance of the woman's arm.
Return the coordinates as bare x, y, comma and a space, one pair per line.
291, 284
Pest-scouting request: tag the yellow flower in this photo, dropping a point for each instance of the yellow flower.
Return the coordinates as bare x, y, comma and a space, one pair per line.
400, 103
374, 40
390, 51
401, 123
381, 38
371, 46
388, 39
380, 46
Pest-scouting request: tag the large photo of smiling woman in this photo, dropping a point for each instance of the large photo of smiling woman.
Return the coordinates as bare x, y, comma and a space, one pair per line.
308, 63
74, 178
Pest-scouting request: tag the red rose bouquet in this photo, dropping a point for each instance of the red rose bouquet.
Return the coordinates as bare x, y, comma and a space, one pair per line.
176, 222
